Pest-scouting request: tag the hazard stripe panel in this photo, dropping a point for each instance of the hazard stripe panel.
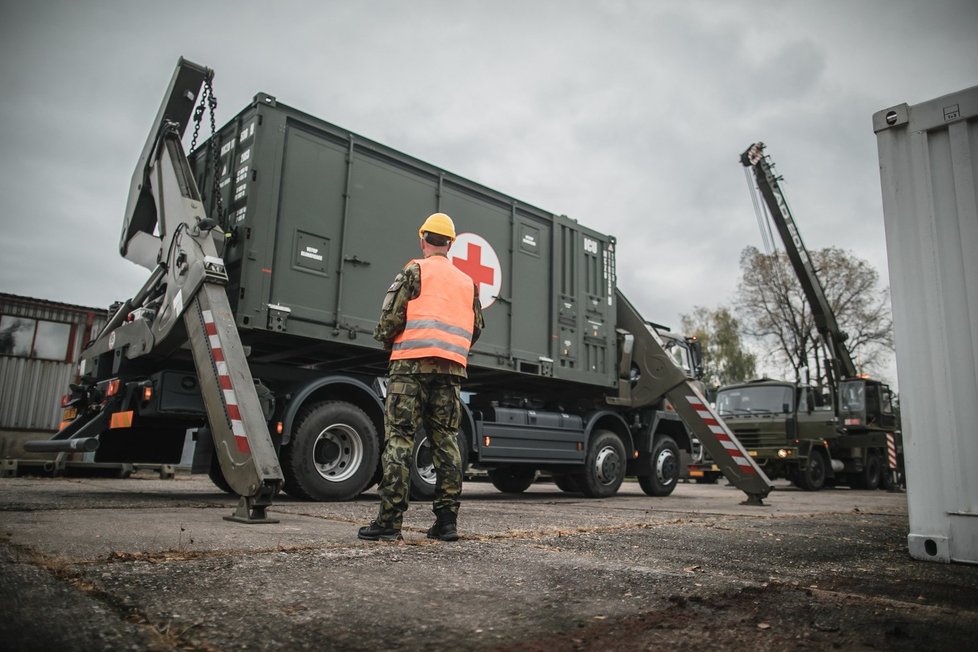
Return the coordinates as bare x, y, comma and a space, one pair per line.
723, 435
891, 454
227, 388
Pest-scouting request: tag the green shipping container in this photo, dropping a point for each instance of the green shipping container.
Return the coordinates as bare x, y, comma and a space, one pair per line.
321, 219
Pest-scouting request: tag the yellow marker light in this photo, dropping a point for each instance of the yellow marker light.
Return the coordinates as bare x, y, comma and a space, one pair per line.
279, 428
147, 393
486, 441
113, 387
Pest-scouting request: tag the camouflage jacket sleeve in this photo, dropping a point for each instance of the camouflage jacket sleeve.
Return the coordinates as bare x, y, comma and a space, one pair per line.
480, 322
393, 314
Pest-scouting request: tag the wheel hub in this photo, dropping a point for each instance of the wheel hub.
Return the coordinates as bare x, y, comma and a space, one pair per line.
665, 467
423, 462
338, 452
607, 464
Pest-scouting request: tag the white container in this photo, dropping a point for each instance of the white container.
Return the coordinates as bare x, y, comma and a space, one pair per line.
929, 172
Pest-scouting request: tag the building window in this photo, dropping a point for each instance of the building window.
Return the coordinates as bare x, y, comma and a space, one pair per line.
34, 338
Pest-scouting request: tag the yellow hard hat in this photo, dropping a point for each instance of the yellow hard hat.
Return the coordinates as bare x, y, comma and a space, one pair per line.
438, 223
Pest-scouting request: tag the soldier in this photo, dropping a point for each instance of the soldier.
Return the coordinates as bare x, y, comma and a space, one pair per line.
430, 317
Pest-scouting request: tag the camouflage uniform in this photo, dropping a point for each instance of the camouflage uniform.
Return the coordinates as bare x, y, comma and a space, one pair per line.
422, 391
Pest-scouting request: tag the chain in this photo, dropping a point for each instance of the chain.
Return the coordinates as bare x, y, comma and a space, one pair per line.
208, 101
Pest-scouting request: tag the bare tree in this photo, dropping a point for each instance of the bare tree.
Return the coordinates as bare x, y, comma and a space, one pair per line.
725, 359
774, 310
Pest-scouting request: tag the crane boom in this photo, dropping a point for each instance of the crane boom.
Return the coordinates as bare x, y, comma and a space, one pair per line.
770, 187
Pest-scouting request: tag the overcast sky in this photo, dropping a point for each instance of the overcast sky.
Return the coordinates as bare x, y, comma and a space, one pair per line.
627, 116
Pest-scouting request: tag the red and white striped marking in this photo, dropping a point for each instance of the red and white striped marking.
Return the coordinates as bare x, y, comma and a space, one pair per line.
723, 435
230, 399
891, 454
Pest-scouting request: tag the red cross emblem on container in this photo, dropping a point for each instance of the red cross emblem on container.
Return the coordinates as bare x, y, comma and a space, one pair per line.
474, 255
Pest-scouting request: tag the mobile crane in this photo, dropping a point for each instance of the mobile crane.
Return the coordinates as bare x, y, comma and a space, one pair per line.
273, 295
789, 432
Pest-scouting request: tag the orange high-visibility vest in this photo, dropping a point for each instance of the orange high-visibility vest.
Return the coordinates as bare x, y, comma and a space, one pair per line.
440, 320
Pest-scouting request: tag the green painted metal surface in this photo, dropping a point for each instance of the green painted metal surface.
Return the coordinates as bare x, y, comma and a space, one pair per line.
321, 220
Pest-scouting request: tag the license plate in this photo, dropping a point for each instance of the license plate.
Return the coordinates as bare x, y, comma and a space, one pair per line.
69, 413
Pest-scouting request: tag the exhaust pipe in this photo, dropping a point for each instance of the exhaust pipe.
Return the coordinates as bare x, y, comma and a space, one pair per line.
81, 445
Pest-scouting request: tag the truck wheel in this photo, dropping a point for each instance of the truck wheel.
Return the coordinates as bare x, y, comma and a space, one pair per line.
869, 477
566, 482
604, 468
217, 476
512, 479
333, 453
665, 469
813, 477
423, 474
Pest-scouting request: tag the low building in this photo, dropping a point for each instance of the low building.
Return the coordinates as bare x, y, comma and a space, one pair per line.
40, 346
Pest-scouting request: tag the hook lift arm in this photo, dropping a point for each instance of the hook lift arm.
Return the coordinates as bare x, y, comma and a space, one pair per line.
166, 230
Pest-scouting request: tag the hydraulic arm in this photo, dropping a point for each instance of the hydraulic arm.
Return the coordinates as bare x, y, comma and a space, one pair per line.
166, 230
659, 376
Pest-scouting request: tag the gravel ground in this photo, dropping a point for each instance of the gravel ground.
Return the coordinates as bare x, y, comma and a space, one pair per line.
149, 564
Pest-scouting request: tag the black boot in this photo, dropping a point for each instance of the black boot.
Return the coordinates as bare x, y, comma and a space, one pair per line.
378, 532
445, 527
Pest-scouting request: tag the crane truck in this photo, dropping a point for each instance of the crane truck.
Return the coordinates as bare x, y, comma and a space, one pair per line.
253, 331
791, 429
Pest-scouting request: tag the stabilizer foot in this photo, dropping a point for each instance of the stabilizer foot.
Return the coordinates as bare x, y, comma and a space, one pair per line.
755, 500
249, 512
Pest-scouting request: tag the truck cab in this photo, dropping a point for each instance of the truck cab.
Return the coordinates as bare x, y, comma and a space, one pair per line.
780, 424
866, 404
791, 431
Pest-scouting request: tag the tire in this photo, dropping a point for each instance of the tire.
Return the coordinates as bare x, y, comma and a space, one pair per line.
566, 482
423, 469
512, 479
604, 467
333, 453
871, 475
665, 469
217, 476
812, 478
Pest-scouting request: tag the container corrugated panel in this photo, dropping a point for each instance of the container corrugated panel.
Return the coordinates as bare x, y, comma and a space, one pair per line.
929, 171
322, 220
31, 387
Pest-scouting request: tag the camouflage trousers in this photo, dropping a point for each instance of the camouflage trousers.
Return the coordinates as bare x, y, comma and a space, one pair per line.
413, 400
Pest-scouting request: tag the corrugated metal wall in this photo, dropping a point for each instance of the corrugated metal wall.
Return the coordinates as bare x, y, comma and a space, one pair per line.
30, 388
929, 173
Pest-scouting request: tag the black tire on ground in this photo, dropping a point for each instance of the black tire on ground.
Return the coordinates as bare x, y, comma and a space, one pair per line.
566, 482
512, 479
813, 477
604, 467
423, 469
333, 453
886, 477
665, 469
870, 476
217, 476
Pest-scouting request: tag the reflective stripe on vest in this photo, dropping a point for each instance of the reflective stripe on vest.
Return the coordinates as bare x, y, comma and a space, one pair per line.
439, 321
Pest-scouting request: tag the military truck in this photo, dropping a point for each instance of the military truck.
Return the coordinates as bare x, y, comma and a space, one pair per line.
792, 431
849, 433
270, 249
